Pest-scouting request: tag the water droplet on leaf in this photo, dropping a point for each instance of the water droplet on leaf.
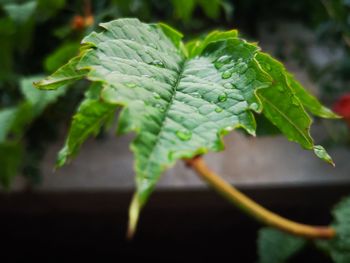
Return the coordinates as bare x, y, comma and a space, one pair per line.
229, 85
184, 135
157, 63
242, 68
131, 85
222, 97
221, 61
218, 109
196, 95
218, 65
160, 107
226, 74
156, 95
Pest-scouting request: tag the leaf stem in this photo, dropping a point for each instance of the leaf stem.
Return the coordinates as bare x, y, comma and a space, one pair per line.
255, 210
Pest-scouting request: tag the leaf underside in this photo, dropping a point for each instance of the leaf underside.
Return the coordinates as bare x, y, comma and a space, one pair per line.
180, 99
339, 247
275, 246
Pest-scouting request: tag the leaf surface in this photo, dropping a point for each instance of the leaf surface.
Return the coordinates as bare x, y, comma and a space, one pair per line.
90, 116
160, 88
7, 118
63, 76
283, 105
179, 100
11, 156
339, 247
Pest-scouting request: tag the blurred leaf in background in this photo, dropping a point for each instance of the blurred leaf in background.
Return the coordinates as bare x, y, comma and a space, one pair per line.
275, 246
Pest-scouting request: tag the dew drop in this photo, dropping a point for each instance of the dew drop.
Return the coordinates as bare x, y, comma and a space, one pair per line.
221, 61
242, 68
218, 65
222, 97
156, 95
218, 109
229, 85
160, 107
184, 135
223, 58
131, 85
196, 95
226, 74
157, 63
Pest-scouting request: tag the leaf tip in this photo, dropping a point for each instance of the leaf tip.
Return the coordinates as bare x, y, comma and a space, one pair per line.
322, 154
37, 84
134, 212
62, 157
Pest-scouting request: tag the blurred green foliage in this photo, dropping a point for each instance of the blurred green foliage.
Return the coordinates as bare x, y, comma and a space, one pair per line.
275, 246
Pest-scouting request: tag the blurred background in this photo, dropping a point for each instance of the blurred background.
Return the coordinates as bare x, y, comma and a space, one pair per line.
80, 211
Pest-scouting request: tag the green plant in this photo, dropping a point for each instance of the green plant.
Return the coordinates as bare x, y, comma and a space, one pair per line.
180, 99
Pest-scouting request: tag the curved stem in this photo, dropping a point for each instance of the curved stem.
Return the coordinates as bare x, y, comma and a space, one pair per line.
255, 210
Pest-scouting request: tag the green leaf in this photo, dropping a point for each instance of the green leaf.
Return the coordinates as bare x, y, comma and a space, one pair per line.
265, 127
322, 154
23, 118
90, 116
7, 118
339, 247
63, 76
61, 55
284, 106
309, 101
275, 246
196, 47
184, 9
11, 156
13, 121
281, 106
20, 13
210, 7
39, 100
178, 99
49, 8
